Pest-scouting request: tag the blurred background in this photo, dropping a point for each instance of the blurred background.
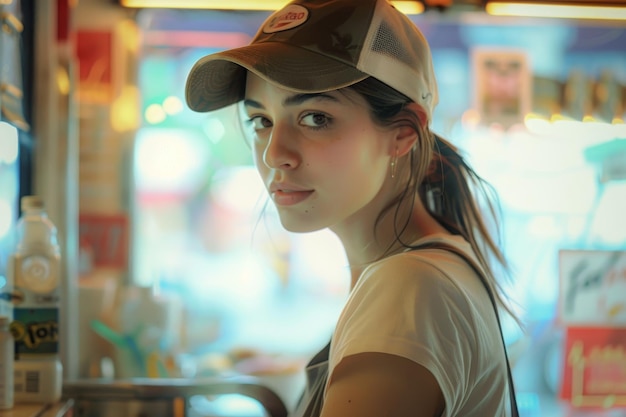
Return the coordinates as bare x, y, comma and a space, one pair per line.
166, 230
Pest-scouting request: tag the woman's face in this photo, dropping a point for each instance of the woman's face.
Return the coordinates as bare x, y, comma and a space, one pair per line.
321, 157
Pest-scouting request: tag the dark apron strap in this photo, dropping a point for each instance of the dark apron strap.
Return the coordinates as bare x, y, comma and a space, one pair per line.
480, 273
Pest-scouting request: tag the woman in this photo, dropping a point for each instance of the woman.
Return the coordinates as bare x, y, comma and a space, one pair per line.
338, 97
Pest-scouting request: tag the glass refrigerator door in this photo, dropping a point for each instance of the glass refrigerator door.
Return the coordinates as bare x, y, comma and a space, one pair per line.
9, 196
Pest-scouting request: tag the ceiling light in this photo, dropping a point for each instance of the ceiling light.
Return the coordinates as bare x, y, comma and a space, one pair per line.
567, 11
405, 6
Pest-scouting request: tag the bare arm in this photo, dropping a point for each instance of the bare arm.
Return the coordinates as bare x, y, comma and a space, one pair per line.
382, 385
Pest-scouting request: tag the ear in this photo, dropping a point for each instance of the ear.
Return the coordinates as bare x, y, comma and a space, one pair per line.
403, 141
406, 136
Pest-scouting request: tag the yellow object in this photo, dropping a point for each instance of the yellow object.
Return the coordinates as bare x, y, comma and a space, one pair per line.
155, 367
179, 407
567, 11
405, 6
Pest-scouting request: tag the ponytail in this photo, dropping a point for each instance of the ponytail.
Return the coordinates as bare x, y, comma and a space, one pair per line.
461, 200
452, 191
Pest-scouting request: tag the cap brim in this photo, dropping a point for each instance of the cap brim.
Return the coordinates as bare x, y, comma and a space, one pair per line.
218, 80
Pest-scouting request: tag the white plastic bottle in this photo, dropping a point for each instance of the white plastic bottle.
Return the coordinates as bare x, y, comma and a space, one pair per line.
6, 364
35, 267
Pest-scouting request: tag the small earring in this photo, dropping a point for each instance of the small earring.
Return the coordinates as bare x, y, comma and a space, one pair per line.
394, 164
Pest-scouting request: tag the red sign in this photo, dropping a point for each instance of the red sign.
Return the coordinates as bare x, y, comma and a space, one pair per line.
94, 49
594, 371
106, 237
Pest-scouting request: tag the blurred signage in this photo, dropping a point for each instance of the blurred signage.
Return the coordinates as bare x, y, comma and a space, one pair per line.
609, 158
592, 288
94, 49
503, 85
592, 308
594, 369
105, 239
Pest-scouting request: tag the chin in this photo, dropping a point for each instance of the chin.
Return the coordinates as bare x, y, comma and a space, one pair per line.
300, 225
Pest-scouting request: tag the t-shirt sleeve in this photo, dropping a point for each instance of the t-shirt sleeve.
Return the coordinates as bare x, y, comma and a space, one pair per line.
406, 306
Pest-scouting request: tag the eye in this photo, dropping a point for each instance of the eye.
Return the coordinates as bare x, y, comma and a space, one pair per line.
315, 120
260, 122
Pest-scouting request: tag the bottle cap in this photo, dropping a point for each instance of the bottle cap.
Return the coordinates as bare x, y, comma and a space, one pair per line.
31, 202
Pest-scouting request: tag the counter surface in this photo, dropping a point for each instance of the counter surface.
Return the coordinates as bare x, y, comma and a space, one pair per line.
38, 410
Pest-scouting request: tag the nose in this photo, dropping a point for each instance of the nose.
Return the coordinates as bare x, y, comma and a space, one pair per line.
280, 151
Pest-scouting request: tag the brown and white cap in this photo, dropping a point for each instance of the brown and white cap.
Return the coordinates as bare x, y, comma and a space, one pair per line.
312, 46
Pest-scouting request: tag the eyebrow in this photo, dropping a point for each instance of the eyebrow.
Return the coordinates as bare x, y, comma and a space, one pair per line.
293, 100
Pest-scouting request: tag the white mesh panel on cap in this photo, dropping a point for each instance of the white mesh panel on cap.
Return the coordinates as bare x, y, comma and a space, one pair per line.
396, 53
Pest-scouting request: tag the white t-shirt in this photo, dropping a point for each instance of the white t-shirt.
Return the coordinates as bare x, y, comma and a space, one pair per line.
430, 306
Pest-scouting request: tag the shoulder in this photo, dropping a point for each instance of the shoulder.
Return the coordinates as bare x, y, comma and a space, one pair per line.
425, 271
427, 306
410, 306
408, 297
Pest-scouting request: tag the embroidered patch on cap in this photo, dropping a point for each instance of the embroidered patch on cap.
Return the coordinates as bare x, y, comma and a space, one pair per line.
288, 18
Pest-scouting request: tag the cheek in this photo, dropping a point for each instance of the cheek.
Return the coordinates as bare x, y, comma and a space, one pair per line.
262, 169
359, 167
368, 156
258, 149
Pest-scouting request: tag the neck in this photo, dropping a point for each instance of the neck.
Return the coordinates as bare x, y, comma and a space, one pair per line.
367, 242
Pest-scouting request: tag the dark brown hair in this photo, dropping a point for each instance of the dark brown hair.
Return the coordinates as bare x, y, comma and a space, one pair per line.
451, 190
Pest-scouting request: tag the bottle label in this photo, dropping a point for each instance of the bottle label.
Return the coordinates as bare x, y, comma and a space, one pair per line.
38, 273
36, 330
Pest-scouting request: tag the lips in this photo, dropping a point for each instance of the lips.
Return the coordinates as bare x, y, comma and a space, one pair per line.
288, 195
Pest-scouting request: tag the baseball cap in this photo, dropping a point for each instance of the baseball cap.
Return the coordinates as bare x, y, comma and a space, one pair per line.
313, 46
